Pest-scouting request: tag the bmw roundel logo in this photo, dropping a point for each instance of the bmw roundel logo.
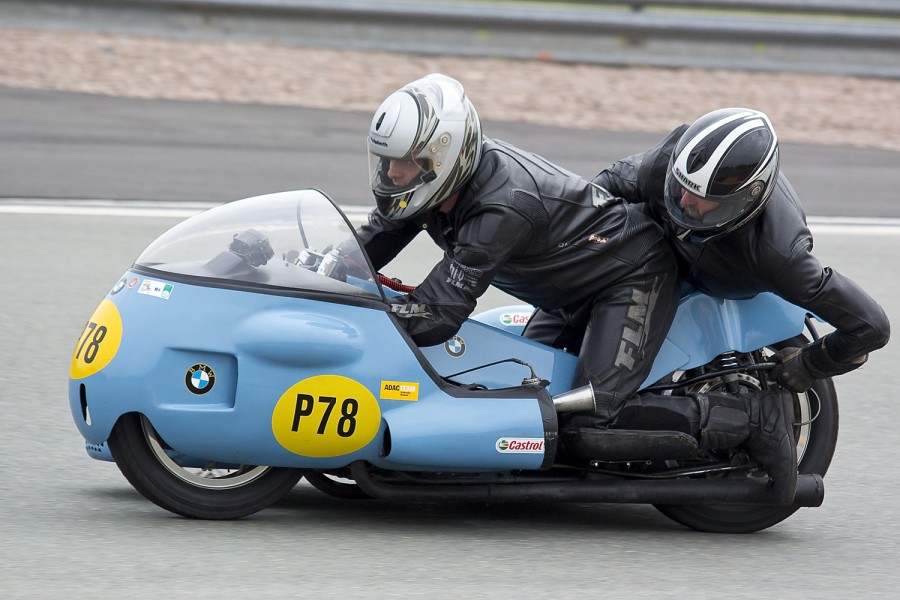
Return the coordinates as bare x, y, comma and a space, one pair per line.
119, 286
200, 378
455, 346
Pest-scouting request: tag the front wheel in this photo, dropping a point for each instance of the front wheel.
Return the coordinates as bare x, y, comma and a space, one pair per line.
816, 433
188, 487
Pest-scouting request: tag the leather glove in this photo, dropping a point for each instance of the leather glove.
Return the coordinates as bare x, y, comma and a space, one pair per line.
798, 368
253, 247
791, 370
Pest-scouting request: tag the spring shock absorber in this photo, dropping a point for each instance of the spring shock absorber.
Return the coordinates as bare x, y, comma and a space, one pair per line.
727, 361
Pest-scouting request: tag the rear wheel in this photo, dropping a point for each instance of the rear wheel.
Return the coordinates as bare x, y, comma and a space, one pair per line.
816, 433
188, 487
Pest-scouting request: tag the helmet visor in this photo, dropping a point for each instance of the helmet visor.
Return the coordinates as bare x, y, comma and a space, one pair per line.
711, 212
391, 177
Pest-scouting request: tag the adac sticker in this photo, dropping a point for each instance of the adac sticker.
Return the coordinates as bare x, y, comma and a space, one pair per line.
157, 289
326, 415
455, 346
517, 445
515, 319
99, 341
400, 390
200, 379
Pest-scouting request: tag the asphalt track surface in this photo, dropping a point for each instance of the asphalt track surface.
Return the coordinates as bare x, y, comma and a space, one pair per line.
73, 527
66, 145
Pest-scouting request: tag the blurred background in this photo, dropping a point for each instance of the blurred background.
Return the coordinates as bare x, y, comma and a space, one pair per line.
826, 71
119, 118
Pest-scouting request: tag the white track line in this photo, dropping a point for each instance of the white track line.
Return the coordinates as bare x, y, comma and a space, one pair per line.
131, 208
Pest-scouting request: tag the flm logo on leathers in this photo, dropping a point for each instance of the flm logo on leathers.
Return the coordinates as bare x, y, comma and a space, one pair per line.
409, 311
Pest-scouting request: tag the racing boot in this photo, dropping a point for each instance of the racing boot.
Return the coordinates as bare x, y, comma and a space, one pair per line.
771, 442
762, 423
718, 421
653, 426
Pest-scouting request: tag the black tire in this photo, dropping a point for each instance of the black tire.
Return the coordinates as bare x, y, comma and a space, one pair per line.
816, 443
212, 491
332, 484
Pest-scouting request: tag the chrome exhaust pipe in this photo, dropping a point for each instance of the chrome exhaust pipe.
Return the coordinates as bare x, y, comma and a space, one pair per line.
577, 400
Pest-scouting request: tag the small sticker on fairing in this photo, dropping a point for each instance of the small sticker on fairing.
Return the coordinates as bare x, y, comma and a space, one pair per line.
519, 319
517, 445
157, 289
120, 285
399, 390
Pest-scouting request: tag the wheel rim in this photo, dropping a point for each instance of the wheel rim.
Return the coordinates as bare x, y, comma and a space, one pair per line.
211, 475
804, 414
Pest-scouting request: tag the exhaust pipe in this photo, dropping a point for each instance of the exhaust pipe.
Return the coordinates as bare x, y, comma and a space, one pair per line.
577, 400
810, 491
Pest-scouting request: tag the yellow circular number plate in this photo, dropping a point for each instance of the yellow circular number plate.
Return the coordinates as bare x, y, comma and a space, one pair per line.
99, 341
326, 415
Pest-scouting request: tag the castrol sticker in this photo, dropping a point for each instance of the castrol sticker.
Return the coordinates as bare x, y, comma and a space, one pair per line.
517, 445
326, 415
98, 342
399, 390
515, 319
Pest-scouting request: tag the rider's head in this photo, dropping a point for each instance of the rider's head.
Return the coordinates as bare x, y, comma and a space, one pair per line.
721, 174
424, 144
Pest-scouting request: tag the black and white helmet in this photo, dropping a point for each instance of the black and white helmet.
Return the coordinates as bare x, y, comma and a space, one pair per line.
431, 126
721, 173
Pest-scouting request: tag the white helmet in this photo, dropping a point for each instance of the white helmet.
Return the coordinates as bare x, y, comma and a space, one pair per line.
427, 137
729, 159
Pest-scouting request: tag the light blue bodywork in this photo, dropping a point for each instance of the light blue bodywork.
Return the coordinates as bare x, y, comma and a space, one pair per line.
704, 327
261, 337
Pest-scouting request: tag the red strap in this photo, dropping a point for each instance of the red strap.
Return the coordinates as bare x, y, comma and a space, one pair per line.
395, 284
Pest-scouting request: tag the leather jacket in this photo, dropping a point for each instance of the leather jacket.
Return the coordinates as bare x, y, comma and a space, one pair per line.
771, 253
530, 228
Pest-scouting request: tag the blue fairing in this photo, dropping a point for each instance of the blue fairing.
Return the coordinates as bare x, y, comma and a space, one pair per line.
256, 333
704, 327
241, 353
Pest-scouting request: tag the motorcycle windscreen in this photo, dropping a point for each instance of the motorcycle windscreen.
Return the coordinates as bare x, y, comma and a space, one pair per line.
299, 240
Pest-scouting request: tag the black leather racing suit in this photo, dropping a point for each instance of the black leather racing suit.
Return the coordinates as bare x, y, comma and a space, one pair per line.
598, 269
771, 253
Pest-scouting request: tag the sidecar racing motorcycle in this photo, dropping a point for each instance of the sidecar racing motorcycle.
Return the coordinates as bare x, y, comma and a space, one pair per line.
252, 345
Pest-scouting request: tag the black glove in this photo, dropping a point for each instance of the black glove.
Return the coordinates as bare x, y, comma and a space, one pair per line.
791, 370
798, 368
253, 247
